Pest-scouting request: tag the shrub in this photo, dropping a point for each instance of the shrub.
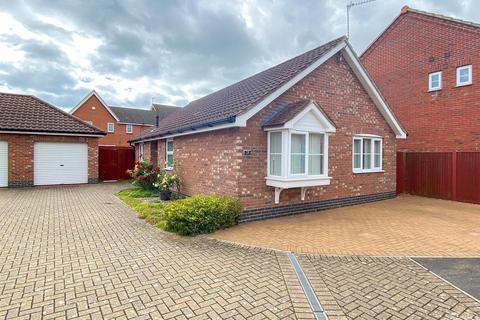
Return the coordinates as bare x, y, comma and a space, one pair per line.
201, 214
144, 174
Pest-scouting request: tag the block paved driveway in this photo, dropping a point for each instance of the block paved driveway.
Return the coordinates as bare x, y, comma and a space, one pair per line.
404, 226
79, 252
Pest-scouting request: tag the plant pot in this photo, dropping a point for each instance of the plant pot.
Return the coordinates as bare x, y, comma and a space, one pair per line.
165, 195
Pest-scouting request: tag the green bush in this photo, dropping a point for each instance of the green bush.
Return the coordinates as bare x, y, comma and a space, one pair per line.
201, 214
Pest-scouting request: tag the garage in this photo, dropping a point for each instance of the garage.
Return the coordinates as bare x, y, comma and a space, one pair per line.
60, 163
43, 145
3, 164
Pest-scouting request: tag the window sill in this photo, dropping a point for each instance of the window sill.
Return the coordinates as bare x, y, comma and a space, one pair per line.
286, 183
434, 90
368, 171
169, 169
463, 85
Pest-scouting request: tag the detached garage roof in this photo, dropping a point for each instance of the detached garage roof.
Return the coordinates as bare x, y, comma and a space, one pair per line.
28, 114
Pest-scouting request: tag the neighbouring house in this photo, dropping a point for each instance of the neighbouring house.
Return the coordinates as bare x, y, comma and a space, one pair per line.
428, 69
310, 133
121, 124
43, 145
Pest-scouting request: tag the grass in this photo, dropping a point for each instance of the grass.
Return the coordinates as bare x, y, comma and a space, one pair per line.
152, 212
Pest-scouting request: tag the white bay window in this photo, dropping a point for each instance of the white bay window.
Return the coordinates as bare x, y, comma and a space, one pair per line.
367, 154
298, 152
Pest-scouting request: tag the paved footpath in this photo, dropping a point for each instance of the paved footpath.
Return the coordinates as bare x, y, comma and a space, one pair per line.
79, 252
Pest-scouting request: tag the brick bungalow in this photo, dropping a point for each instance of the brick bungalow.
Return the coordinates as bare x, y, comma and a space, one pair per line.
121, 124
428, 69
43, 145
308, 134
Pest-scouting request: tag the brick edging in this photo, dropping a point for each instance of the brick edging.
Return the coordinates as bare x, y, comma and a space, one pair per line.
286, 210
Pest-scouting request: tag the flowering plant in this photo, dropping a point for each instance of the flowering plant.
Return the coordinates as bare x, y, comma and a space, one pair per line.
144, 174
166, 181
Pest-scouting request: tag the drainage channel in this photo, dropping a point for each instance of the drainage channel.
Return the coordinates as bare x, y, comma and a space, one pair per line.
317, 308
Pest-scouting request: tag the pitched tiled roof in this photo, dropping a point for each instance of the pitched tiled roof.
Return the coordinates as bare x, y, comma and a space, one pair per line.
133, 115
164, 110
28, 113
225, 104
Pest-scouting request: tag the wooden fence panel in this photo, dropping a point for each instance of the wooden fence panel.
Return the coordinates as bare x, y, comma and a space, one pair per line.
468, 177
429, 174
443, 175
113, 162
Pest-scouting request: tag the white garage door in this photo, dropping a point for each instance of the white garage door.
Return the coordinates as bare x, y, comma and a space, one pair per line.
3, 164
60, 163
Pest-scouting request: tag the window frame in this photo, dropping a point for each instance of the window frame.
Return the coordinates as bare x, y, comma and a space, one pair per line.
430, 75
269, 153
470, 73
373, 139
286, 169
168, 153
141, 150
108, 127
129, 125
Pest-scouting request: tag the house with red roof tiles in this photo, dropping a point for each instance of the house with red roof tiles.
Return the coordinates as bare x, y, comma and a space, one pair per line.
43, 145
311, 133
428, 69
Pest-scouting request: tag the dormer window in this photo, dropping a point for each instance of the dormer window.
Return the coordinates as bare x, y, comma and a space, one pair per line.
298, 148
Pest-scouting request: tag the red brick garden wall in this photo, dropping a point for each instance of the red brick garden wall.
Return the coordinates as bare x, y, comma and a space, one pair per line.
20, 156
400, 61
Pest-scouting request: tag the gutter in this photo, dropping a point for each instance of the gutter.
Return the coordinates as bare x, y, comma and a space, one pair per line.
53, 133
230, 119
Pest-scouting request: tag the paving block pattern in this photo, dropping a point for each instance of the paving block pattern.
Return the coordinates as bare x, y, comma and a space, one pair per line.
79, 252
404, 226
389, 288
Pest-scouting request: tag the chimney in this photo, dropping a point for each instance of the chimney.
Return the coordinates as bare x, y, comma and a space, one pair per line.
157, 120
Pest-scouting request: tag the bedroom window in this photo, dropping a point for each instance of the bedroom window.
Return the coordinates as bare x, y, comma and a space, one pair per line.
110, 127
129, 128
435, 81
169, 154
464, 75
367, 154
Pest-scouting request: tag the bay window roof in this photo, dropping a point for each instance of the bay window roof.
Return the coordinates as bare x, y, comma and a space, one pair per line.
304, 114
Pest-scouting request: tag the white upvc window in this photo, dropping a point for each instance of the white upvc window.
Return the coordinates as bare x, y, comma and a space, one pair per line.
294, 154
367, 154
169, 154
129, 128
141, 150
464, 75
435, 81
110, 127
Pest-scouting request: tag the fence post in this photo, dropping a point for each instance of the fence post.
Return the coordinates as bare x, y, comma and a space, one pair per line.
454, 175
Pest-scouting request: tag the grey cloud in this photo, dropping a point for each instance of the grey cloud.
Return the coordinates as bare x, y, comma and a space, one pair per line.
188, 44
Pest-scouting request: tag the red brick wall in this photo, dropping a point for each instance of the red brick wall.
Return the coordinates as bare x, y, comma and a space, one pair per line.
207, 163
338, 92
213, 162
20, 156
100, 117
400, 62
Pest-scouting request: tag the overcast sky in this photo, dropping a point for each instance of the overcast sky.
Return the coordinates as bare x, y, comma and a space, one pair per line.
175, 51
